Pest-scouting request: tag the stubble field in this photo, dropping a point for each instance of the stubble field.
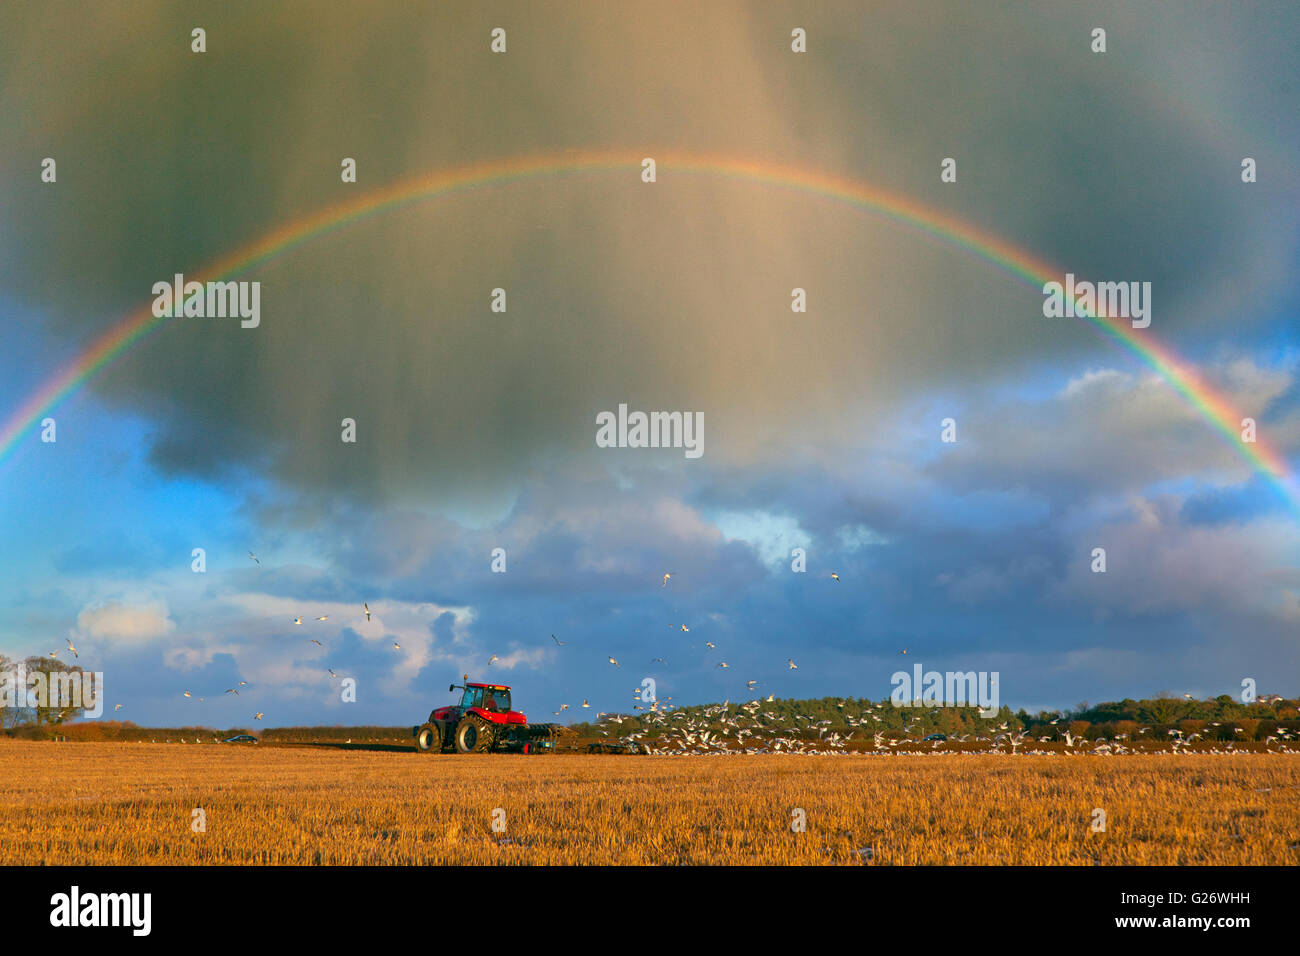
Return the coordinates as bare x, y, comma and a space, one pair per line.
117, 803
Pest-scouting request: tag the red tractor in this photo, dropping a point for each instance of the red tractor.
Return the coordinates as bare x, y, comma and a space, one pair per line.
481, 722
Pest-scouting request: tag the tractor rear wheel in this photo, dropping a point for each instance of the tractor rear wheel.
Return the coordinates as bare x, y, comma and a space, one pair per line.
473, 736
428, 739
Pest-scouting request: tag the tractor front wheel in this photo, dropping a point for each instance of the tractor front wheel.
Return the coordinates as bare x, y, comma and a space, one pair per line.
428, 739
473, 736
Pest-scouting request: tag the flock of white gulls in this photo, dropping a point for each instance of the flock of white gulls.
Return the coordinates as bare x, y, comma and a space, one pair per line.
716, 731
648, 705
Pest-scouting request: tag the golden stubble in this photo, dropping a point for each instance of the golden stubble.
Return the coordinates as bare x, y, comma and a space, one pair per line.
115, 803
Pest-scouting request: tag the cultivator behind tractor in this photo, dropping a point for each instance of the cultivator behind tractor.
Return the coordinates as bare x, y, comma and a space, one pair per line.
480, 723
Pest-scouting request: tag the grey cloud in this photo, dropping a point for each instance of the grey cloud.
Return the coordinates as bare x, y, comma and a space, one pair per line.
672, 296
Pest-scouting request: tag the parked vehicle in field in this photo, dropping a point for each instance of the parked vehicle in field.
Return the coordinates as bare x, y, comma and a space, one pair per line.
482, 721
240, 739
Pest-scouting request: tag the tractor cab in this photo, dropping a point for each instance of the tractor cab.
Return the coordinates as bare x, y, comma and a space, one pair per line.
490, 697
489, 701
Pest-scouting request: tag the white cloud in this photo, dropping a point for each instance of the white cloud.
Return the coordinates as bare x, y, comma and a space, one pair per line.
529, 658
771, 536
125, 623
1154, 563
858, 536
1093, 378
192, 658
1113, 433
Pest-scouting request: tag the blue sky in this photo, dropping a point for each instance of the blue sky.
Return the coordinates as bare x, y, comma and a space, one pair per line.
477, 430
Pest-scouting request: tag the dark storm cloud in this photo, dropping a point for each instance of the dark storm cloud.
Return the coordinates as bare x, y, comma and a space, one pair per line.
672, 296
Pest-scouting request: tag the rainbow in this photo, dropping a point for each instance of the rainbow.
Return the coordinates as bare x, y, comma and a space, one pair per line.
1211, 406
